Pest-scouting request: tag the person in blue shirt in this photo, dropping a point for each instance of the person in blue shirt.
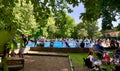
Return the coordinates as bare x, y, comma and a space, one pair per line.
99, 45
100, 49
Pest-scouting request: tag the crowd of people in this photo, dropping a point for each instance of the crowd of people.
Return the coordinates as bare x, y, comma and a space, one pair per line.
98, 47
105, 56
79, 43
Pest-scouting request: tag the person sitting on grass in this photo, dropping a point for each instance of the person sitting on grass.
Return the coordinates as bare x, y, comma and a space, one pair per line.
106, 58
99, 49
117, 53
117, 67
94, 61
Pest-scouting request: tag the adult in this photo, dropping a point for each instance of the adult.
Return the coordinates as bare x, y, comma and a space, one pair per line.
117, 44
112, 44
42, 40
99, 49
82, 44
117, 53
117, 67
77, 44
23, 43
66, 42
99, 45
94, 61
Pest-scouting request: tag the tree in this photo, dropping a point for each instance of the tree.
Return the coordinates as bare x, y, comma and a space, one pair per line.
41, 13
7, 27
14, 17
69, 27
82, 33
18, 15
51, 29
88, 27
97, 34
105, 9
24, 17
65, 24
42, 9
118, 27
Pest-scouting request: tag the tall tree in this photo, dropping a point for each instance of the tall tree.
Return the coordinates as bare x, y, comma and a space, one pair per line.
105, 9
41, 13
23, 11
88, 28
42, 10
7, 27
51, 28
82, 33
65, 24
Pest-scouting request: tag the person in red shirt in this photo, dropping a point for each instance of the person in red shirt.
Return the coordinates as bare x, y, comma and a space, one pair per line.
106, 57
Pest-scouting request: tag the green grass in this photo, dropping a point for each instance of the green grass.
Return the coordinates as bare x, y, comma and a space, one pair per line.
77, 58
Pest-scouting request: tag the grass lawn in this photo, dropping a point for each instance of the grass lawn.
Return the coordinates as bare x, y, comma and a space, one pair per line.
77, 58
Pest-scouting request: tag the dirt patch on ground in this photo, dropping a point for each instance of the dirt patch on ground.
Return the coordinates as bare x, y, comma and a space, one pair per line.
49, 63
46, 63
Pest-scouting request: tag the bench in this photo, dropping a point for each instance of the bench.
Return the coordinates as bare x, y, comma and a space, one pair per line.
15, 64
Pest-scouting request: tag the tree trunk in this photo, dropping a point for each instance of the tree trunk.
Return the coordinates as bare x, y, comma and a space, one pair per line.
4, 59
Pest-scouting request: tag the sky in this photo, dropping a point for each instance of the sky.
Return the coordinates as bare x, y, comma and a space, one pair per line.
80, 9
76, 12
